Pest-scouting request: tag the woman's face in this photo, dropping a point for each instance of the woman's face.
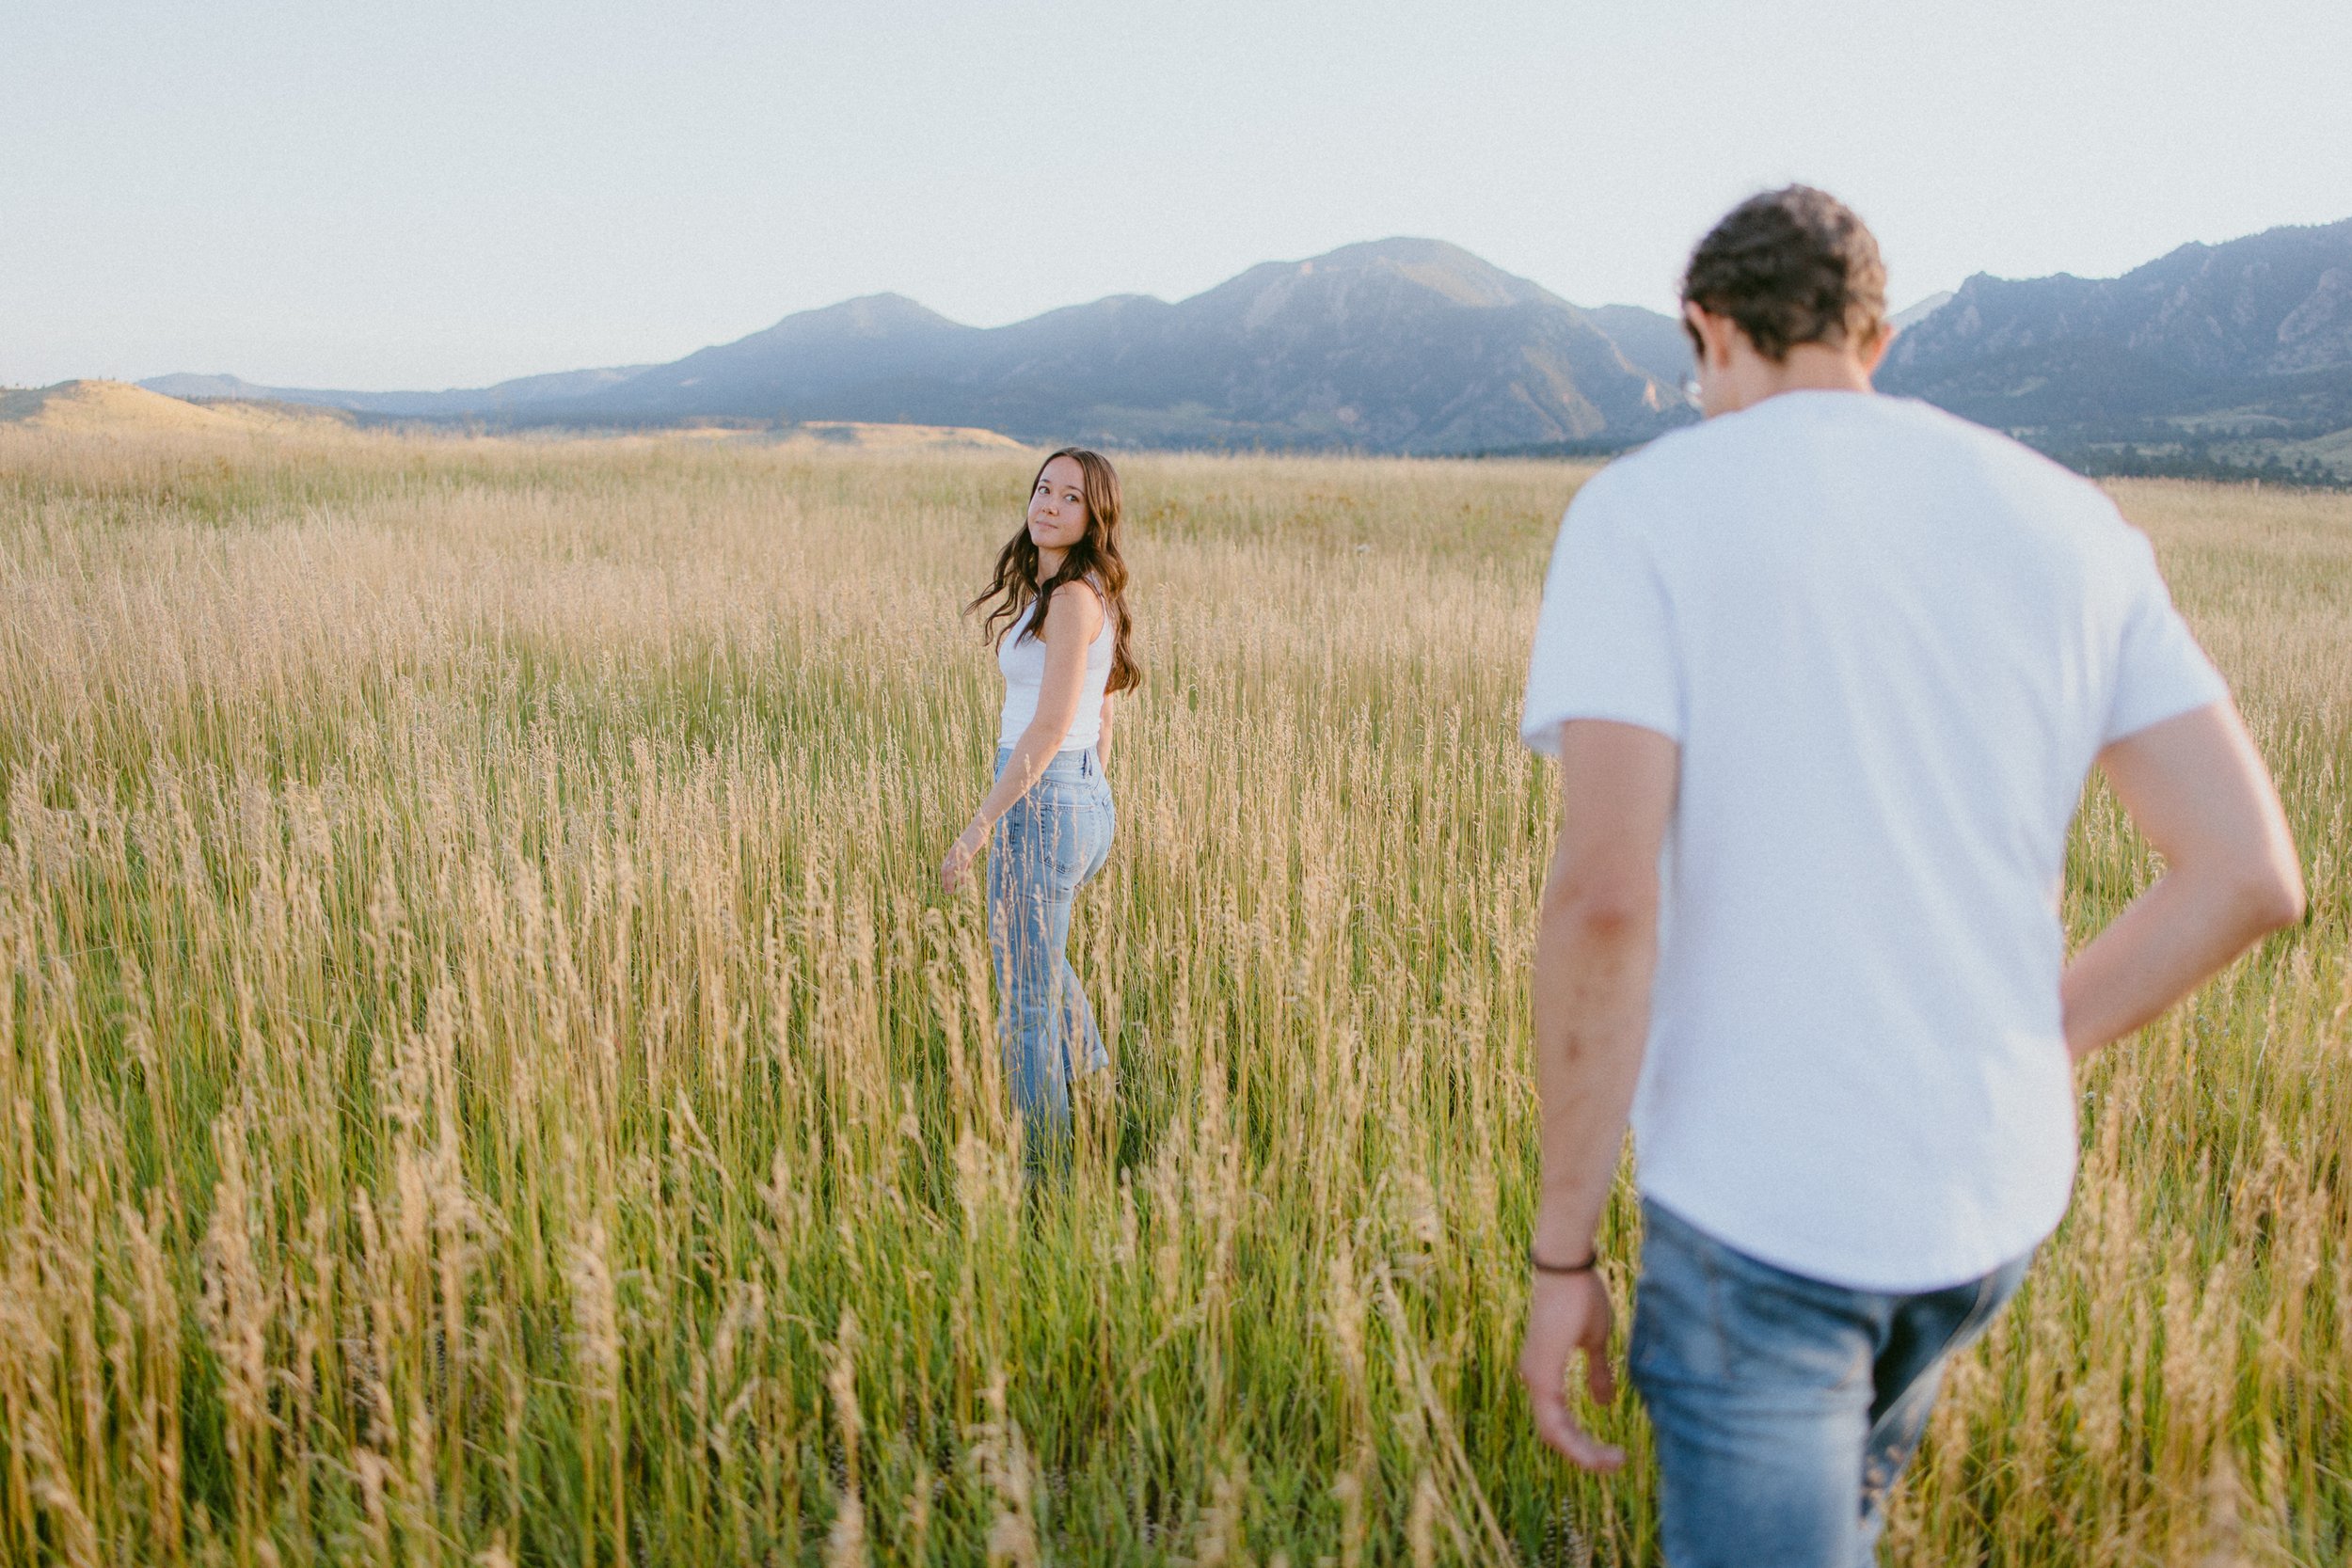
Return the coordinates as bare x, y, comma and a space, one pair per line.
1058, 507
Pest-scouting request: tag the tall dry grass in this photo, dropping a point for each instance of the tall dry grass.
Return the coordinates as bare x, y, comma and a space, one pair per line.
487, 1078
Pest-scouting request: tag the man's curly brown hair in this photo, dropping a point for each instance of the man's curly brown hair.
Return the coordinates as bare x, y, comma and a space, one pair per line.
1790, 266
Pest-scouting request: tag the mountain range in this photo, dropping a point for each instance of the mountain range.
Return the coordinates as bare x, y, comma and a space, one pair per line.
2232, 355
2224, 356
1400, 345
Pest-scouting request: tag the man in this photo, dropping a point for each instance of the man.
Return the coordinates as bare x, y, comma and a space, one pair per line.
1824, 675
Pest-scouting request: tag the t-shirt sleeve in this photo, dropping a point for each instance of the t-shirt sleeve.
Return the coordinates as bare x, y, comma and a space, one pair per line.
1605, 640
2160, 670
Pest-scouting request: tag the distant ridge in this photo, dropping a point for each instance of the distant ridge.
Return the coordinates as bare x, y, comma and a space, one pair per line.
2226, 357
507, 396
1409, 345
1653, 341
1903, 319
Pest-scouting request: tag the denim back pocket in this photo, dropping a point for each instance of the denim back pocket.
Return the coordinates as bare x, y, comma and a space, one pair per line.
1785, 1330
1065, 828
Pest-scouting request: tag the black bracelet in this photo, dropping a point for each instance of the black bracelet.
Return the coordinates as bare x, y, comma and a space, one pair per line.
1592, 1261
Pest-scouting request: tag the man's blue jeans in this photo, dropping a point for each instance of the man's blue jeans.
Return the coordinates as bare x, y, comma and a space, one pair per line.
1053, 839
1784, 1407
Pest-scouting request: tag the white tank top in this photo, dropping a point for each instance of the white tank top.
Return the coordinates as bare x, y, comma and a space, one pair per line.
1023, 661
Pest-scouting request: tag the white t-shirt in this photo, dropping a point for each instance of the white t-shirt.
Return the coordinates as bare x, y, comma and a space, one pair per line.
1889, 643
1022, 661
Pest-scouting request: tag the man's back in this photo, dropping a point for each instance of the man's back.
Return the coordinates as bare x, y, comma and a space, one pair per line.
1824, 676
1889, 645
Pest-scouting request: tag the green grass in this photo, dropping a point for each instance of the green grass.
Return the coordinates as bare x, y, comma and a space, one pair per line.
489, 1076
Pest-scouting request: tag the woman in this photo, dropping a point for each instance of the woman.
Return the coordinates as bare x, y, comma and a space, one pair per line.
1058, 614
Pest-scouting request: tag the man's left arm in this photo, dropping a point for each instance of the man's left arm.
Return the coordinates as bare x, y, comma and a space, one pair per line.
1596, 949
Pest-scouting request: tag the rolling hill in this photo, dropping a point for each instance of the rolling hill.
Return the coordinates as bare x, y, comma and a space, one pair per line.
116, 407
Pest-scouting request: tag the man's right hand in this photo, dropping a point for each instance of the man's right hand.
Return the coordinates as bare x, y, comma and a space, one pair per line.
1566, 1313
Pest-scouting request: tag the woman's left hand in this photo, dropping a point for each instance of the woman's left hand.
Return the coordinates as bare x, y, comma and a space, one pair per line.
961, 854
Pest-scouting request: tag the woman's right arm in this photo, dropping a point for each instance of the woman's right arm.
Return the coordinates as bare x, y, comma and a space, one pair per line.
1076, 616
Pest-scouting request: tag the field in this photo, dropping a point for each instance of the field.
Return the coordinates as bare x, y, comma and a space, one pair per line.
488, 1077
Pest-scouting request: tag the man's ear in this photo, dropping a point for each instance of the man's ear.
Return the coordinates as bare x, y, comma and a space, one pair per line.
1873, 354
1715, 334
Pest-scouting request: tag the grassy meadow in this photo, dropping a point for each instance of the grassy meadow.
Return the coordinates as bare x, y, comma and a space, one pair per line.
487, 1075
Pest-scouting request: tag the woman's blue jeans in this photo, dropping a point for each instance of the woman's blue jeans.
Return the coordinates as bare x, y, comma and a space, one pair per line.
1053, 839
1784, 1407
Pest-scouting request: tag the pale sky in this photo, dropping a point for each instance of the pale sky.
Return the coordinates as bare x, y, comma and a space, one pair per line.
395, 194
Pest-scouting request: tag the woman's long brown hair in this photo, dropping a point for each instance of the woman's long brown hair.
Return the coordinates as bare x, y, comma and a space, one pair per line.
1095, 557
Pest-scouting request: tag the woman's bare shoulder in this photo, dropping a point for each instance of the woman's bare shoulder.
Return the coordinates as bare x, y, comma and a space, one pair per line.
1080, 597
